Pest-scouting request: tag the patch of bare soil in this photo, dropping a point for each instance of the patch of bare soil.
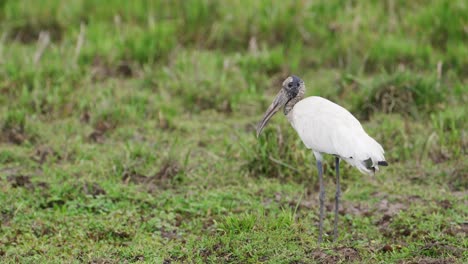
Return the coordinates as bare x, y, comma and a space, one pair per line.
24, 181
45, 152
218, 251
138, 258
439, 156
445, 204
100, 129
458, 230
15, 135
354, 209
209, 225
52, 203
384, 206
102, 70
20, 181
85, 117
29, 33
171, 235
347, 254
93, 189
103, 261
163, 179
388, 211
6, 216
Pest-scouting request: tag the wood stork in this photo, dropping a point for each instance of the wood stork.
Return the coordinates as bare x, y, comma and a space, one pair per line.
325, 127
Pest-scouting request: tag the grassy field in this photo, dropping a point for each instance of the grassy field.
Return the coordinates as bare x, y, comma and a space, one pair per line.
127, 131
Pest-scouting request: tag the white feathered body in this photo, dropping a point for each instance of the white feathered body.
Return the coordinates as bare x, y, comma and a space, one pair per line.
326, 127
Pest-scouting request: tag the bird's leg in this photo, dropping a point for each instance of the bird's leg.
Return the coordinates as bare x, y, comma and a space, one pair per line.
337, 198
321, 199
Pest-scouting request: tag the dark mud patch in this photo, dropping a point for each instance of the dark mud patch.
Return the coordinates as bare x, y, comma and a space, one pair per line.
168, 171
445, 204
13, 129
43, 153
93, 189
135, 178
51, 203
346, 254
137, 258
209, 225
165, 178
175, 259
24, 181
6, 215
103, 261
29, 32
15, 135
17, 181
96, 136
217, 250
169, 234
85, 116
101, 128
42, 185
102, 70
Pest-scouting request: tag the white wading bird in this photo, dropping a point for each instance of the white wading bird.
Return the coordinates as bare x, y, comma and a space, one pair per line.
325, 127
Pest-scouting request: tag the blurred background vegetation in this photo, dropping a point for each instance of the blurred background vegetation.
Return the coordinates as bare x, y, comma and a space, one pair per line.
127, 130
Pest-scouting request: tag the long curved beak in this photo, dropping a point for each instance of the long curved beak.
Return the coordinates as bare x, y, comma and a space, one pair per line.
280, 100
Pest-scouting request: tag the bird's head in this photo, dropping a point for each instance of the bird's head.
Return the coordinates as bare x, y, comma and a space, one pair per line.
293, 88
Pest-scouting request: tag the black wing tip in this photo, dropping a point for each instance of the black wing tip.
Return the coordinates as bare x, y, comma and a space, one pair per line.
382, 163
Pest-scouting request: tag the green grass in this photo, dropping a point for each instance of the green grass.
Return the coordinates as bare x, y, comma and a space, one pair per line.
138, 145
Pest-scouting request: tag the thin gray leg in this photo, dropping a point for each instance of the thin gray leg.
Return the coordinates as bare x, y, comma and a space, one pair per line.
321, 199
337, 198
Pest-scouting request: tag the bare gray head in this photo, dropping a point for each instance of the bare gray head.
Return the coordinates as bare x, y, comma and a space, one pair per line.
292, 92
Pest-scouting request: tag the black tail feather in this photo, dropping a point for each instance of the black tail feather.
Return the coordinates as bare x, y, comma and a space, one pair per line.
382, 163
370, 166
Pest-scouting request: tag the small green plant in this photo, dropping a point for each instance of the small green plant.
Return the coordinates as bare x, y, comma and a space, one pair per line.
278, 154
238, 223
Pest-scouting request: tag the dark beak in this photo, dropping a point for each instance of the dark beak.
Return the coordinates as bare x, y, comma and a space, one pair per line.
280, 100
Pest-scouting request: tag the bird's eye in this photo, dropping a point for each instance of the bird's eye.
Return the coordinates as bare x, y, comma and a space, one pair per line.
290, 85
